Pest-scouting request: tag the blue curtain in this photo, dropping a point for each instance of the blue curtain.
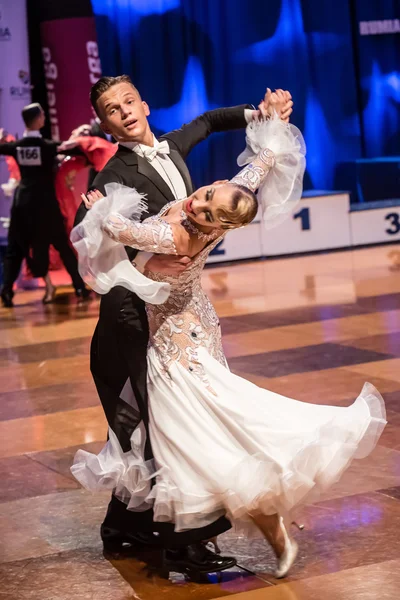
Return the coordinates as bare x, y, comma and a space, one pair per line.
188, 56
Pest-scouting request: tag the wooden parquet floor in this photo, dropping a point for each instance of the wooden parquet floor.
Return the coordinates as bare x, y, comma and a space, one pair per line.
314, 328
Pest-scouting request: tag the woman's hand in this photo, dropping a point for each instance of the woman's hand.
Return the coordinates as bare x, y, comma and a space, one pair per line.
68, 145
91, 198
81, 130
279, 102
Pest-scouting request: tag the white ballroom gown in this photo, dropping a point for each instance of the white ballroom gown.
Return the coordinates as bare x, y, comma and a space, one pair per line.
221, 444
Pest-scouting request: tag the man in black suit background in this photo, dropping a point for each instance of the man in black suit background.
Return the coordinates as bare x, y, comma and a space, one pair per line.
36, 218
156, 168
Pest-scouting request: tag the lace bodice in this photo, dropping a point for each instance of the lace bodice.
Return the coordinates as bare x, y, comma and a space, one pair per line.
187, 320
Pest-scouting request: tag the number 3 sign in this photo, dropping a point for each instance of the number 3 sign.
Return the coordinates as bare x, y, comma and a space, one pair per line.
375, 225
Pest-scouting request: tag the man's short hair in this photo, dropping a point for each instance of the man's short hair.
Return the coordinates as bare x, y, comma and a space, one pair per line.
31, 112
104, 84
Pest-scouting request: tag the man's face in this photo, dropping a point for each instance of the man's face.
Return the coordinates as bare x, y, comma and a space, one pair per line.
123, 114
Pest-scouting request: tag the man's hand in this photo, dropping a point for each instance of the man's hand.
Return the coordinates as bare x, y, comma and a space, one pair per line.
279, 101
91, 198
165, 264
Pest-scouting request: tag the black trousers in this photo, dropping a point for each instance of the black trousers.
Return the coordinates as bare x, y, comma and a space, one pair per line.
119, 352
29, 237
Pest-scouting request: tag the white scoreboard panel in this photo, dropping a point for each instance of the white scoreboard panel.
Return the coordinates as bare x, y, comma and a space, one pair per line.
321, 221
375, 225
241, 243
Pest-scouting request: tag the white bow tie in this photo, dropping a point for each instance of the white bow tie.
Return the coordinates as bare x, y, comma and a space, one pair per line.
151, 152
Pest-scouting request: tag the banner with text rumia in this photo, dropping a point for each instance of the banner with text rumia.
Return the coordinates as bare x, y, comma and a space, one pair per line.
15, 89
72, 65
378, 54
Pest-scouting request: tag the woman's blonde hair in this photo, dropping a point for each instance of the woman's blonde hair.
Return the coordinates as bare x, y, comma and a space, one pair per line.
243, 208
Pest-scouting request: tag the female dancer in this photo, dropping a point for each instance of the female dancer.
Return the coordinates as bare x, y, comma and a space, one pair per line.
221, 445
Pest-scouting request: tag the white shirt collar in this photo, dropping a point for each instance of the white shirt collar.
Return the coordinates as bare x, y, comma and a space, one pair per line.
136, 147
28, 133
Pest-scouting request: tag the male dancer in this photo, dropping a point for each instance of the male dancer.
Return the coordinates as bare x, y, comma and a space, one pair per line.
119, 345
36, 219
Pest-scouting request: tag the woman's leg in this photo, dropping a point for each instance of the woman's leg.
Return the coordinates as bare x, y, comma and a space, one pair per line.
274, 531
38, 262
270, 527
50, 290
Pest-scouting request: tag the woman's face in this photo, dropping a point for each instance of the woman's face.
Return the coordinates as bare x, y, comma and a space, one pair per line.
202, 206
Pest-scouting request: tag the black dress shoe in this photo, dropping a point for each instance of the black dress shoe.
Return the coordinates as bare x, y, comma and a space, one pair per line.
82, 293
196, 559
7, 298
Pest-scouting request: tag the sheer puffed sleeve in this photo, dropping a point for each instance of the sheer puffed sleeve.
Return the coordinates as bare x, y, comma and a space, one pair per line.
275, 158
103, 262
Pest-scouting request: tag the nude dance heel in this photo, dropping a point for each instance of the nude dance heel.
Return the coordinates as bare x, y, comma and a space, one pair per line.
289, 554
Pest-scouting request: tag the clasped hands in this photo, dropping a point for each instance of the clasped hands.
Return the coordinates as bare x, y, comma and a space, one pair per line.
279, 102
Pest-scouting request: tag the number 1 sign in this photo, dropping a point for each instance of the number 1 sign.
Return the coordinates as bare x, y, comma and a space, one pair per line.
320, 222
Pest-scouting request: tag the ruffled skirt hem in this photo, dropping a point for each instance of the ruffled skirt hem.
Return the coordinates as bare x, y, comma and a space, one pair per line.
255, 484
258, 485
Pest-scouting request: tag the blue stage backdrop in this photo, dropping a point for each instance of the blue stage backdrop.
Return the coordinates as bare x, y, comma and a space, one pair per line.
188, 56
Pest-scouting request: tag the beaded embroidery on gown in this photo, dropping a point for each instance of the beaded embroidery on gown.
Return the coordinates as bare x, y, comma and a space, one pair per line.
221, 444
187, 320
